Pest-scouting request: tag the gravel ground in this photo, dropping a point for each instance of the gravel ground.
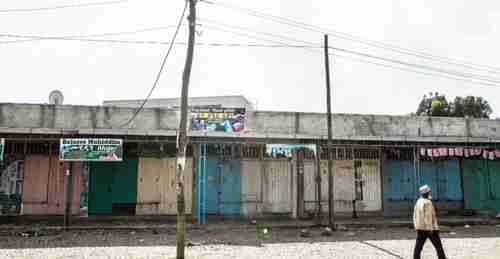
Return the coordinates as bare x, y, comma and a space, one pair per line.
476, 242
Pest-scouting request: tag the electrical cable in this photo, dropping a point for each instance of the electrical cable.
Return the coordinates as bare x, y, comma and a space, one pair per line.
390, 60
350, 37
84, 38
107, 34
439, 74
170, 47
276, 44
23, 10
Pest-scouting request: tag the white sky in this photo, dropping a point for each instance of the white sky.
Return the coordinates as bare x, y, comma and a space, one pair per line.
277, 79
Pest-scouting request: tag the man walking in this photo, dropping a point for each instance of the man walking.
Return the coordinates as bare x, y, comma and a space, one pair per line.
425, 222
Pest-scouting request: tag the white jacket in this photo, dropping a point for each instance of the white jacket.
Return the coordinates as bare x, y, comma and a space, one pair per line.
424, 215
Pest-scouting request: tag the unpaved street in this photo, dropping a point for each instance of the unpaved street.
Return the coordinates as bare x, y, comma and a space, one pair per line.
476, 242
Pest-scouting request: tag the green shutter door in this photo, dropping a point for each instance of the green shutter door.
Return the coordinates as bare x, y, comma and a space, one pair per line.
112, 184
475, 187
125, 181
100, 188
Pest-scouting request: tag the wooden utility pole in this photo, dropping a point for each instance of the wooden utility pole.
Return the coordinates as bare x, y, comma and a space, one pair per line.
319, 210
331, 222
69, 195
182, 138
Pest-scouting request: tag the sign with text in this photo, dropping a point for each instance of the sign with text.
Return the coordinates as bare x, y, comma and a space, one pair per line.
285, 150
2, 145
218, 119
83, 149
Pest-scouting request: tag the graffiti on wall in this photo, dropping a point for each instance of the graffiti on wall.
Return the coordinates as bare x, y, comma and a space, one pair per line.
11, 185
218, 119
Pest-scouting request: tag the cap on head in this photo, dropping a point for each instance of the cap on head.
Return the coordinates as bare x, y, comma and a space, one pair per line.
424, 189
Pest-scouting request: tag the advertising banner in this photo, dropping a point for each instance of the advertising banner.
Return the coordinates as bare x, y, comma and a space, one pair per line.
218, 119
285, 150
83, 149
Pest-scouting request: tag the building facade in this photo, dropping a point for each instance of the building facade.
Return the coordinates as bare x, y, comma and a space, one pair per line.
273, 165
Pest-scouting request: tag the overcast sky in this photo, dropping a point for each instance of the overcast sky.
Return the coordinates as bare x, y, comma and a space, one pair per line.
274, 78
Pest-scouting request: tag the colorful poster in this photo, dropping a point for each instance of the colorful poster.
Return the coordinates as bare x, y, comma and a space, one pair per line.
218, 119
285, 150
91, 150
2, 145
485, 153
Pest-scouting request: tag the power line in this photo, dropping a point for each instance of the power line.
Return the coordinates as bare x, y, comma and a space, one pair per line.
28, 38
390, 60
36, 9
440, 70
161, 68
350, 37
275, 44
440, 73
416, 71
77, 37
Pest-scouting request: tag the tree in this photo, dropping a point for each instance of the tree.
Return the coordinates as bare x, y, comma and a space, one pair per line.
470, 106
434, 105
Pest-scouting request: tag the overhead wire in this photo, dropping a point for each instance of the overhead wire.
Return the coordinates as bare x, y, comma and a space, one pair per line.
86, 38
311, 49
366, 55
50, 8
309, 46
350, 37
306, 45
158, 75
28, 38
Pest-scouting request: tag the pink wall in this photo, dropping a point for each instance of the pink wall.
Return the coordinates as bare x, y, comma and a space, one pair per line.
45, 184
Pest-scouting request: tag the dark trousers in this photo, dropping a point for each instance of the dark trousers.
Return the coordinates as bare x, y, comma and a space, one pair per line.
435, 239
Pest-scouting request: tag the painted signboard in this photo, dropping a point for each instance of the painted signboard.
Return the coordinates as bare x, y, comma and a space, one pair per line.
2, 145
218, 119
84, 149
285, 150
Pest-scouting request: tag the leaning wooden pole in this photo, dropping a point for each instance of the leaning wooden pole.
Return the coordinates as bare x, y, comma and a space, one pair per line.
182, 138
331, 199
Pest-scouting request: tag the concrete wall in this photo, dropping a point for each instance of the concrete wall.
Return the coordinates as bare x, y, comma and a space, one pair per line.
235, 101
51, 119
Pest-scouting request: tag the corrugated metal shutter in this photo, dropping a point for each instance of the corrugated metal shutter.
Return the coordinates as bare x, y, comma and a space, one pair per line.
45, 183
475, 183
372, 191
223, 190
310, 190
450, 175
494, 167
399, 187
343, 178
443, 177
113, 185
251, 188
156, 191
277, 186
399, 180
